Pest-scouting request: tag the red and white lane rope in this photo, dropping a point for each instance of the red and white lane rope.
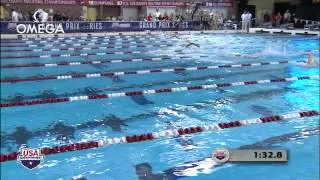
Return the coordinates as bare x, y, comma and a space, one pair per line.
78, 37
150, 91
89, 48
161, 134
145, 71
75, 63
84, 37
55, 44
93, 39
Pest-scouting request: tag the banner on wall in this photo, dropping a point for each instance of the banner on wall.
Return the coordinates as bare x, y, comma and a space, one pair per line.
66, 2
150, 3
210, 3
100, 26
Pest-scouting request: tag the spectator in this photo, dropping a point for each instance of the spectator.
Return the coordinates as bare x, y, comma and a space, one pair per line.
171, 18
160, 18
266, 17
179, 21
30, 14
287, 17
293, 17
26, 16
149, 17
64, 17
249, 19
220, 20
14, 15
277, 19
50, 14
82, 18
243, 19
165, 17
20, 16
57, 16
157, 14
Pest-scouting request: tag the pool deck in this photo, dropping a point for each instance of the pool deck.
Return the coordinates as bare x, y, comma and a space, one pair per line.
252, 30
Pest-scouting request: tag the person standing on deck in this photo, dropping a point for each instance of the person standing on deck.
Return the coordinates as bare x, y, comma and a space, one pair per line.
249, 18
287, 17
243, 21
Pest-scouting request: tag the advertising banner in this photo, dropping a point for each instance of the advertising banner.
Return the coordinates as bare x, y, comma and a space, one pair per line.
92, 26
210, 3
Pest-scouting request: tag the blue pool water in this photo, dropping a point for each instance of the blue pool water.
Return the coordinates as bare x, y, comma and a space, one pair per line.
53, 124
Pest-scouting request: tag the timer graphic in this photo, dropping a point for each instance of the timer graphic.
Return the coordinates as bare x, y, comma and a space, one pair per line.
250, 155
268, 154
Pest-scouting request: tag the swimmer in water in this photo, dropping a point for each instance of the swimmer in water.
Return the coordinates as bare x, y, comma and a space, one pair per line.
245, 55
311, 61
189, 43
182, 140
175, 36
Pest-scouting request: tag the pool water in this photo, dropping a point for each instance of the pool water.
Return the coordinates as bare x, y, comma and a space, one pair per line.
63, 123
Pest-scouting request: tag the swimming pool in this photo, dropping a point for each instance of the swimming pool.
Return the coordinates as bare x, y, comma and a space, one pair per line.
62, 91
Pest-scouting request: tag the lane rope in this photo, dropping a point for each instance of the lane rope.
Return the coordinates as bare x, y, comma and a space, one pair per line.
88, 48
28, 41
150, 91
74, 63
162, 134
144, 71
72, 55
78, 43
81, 37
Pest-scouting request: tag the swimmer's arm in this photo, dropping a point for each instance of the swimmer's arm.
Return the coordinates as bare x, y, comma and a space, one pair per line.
198, 45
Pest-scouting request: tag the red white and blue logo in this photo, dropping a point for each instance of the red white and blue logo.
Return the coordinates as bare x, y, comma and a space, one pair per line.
220, 155
30, 158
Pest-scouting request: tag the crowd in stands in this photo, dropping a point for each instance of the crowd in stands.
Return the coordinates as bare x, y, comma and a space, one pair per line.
19, 15
278, 19
215, 20
157, 16
210, 20
205, 19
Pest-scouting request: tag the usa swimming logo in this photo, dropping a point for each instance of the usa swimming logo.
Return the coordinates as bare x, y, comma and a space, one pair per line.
220, 155
30, 158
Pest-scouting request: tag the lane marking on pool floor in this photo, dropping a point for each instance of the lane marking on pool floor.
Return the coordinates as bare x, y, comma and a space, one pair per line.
164, 134
92, 42
143, 71
89, 48
74, 63
151, 91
